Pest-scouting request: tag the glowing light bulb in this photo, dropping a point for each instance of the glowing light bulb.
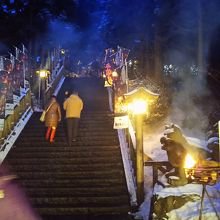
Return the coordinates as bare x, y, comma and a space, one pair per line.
138, 106
114, 74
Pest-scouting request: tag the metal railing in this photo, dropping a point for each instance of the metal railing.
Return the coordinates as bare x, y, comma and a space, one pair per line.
50, 90
25, 102
12, 119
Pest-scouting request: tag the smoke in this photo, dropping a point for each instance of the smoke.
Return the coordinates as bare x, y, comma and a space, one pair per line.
83, 44
187, 113
191, 102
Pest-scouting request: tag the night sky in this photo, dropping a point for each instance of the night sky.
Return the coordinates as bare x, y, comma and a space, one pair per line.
169, 30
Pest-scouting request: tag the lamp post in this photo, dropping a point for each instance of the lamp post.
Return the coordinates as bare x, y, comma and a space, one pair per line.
138, 102
42, 74
139, 109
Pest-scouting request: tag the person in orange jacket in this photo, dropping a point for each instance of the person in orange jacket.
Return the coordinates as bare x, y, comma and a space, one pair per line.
73, 106
109, 85
52, 117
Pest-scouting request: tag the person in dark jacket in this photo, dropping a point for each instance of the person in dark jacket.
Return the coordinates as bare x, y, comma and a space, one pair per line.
73, 107
52, 117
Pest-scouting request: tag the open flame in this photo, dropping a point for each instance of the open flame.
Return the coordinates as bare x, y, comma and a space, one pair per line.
190, 162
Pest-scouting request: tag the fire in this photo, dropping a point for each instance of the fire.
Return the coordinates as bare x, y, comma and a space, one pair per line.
190, 162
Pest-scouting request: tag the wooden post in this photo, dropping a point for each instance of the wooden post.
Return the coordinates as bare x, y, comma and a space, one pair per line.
139, 159
155, 174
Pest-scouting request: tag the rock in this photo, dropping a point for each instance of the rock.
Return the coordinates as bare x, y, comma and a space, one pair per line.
167, 199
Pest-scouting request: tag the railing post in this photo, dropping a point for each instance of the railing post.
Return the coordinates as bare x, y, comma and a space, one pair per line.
155, 173
16, 114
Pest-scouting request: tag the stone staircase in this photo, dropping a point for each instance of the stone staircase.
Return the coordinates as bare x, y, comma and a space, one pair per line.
85, 181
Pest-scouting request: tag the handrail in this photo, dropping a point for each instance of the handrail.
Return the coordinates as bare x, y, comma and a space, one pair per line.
14, 123
129, 172
157, 165
8, 143
55, 76
12, 119
50, 91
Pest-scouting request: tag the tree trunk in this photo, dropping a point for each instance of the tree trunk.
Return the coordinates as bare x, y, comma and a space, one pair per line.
157, 57
200, 55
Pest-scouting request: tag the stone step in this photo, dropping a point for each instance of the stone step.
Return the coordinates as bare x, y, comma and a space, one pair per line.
107, 120
86, 213
106, 126
21, 148
79, 201
60, 133
70, 174
89, 126
84, 118
66, 154
79, 138
76, 191
42, 130
85, 160
63, 143
66, 167
63, 183
84, 114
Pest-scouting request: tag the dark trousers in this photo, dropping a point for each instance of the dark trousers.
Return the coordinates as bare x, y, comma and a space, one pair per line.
72, 129
110, 98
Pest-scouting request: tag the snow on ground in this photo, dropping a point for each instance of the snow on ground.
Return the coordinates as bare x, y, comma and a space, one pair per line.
178, 191
152, 145
191, 210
